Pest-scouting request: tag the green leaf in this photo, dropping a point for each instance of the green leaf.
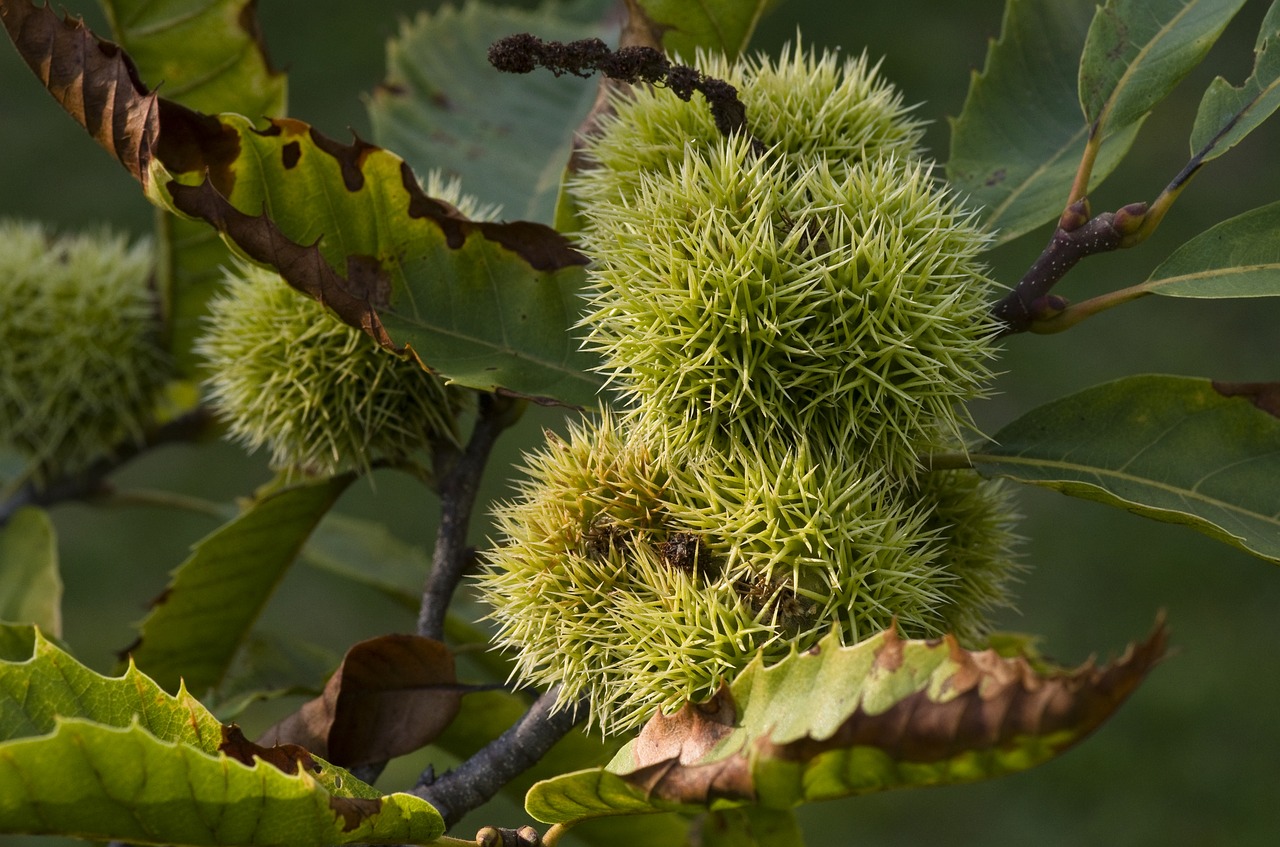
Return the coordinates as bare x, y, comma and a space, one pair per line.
214, 597
1138, 50
724, 26
1227, 114
119, 759
210, 56
270, 665
208, 53
112, 784
506, 136
365, 552
488, 305
45, 683
1187, 451
1239, 257
16, 643
1016, 146
31, 591
834, 721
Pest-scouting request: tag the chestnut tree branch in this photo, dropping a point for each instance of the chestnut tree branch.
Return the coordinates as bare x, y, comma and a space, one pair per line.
1076, 237
92, 481
476, 780
458, 473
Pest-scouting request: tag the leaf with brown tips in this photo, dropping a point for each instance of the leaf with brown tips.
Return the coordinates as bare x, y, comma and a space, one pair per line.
833, 721
486, 304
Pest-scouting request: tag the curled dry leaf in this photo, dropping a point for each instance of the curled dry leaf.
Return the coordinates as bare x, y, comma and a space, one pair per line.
390, 696
834, 721
944, 704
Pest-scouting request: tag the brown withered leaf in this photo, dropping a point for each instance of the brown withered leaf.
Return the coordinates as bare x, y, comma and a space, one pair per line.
92, 79
390, 696
947, 703
286, 757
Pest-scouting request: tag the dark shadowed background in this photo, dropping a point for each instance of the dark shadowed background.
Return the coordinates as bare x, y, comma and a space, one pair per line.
1189, 761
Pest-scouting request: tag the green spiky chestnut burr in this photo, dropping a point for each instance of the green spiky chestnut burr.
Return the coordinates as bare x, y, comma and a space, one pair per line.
642, 584
790, 331
738, 299
320, 396
802, 106
584, 596
83, 366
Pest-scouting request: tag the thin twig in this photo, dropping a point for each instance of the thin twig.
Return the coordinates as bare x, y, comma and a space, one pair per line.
92, 481
523, 53
476, 780
158, 499
1077, 312
458, 474
946, 462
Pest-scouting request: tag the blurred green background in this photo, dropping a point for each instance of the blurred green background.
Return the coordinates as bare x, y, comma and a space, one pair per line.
1189, 761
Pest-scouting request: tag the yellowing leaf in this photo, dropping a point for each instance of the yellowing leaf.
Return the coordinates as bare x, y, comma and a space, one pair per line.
124, 784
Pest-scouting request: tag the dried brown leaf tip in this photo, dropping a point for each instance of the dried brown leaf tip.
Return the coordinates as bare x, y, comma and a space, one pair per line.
92, 79
669, 748
926, 703
286, 757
